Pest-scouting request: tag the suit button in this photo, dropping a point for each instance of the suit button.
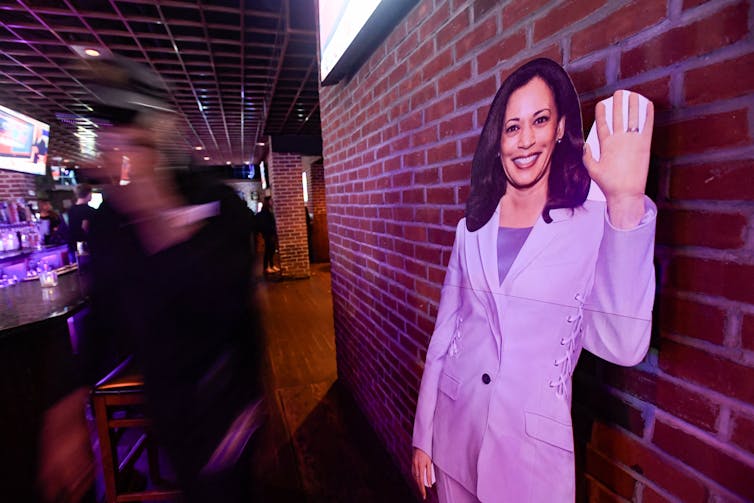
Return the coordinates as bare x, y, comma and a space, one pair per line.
486, 378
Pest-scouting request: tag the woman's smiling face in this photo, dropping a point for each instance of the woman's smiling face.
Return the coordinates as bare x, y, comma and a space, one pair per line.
530, 132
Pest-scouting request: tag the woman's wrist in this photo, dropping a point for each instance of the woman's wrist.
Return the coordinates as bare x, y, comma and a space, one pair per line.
625, 212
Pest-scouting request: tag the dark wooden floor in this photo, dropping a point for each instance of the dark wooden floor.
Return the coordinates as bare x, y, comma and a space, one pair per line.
317, 446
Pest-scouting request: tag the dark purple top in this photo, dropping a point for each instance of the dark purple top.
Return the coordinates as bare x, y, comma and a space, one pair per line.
509, 243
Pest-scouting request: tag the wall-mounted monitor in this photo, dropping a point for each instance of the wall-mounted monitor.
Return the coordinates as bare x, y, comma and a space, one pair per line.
350, 30
23, 142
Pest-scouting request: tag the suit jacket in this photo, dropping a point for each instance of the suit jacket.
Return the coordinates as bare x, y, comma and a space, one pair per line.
494, 408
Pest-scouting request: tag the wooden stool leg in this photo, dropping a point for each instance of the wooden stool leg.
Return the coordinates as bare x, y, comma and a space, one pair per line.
106, 448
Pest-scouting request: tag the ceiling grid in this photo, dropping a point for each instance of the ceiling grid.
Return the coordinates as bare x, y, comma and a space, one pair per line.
238, 70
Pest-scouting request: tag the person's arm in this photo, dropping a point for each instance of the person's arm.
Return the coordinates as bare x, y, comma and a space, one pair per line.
153, 206
450, 302
66, 462
618, 312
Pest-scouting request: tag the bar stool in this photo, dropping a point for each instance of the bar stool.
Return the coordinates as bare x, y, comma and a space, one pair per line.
116, 400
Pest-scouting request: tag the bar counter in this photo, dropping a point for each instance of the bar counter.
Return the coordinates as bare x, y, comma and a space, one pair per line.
37, 366
28, 303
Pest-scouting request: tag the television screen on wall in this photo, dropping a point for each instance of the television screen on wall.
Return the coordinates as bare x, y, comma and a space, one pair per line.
350, 30
23, 142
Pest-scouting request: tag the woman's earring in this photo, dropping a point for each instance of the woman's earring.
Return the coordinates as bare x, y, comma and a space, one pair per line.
558, 140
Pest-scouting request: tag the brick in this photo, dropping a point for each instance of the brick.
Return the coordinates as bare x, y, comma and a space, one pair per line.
507, 48
691, 41
482, 7
719, 81
649, 495
706, 458
609, 408
693, 319
456, 172
430, 68
690, 4
743, 431
747, 332
516, 11
563, 16
670, 397
454, 78
450, 31
458, 124
441, 153
468, 145
285, 173
439, 110
427, 135
432, 25
649, 462
441, 237
712, 277
406, 47
723, 180
552, 52
696, 228
657, 91
451, 217
608, 474
692, 135
480, 34
426, 176
597, 493
440, 195
418, 14
427, 215
690, 406
588, 113
707, 370
425, 51
618, 26
482, 91
589, 79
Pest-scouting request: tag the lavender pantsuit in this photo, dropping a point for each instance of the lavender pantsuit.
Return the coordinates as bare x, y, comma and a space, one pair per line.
494, 409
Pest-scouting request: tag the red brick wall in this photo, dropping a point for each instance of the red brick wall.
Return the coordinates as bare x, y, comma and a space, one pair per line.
288, 204
318, 207
398, 141
13, 184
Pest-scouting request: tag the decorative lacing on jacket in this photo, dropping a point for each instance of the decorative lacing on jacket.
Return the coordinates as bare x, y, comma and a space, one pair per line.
571, 343
455, 346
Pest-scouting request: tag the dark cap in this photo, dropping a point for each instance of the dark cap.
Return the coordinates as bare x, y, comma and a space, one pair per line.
126, 90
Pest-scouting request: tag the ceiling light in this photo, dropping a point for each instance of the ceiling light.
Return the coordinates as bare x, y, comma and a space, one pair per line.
227, 162
92, 52
206, 158
198, 147
260, 144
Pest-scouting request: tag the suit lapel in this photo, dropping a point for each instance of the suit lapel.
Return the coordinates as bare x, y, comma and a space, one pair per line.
541, 236
481, 264
487, 249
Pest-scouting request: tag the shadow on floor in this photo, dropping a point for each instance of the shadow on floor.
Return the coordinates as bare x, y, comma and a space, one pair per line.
317, 445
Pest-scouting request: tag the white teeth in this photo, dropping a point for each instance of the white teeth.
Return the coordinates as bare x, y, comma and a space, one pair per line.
523, 162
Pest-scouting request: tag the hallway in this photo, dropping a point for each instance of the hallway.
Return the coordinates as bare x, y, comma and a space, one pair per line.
317, 445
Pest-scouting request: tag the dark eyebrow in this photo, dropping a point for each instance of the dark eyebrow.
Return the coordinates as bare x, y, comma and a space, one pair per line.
535, 113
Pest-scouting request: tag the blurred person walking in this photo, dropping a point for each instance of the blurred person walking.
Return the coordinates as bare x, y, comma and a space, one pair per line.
170, 282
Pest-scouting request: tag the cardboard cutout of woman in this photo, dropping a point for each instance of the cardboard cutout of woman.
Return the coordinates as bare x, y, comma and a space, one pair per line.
541, 268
